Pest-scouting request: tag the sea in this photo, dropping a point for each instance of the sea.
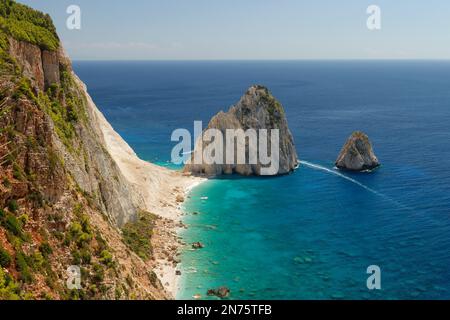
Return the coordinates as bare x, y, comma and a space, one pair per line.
318, 232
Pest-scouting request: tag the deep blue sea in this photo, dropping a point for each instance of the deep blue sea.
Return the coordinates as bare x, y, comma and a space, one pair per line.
311, 234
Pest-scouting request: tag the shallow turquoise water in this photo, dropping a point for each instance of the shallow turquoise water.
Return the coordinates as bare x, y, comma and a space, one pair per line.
312, 234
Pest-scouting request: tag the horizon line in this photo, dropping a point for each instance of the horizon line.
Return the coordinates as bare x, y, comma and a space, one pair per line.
268, 60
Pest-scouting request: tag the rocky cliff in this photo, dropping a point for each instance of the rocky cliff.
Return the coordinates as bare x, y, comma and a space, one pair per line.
257, 109
79, 141
357, 154
63, 198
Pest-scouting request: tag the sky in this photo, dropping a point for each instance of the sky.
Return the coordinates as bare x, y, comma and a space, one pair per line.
252, 29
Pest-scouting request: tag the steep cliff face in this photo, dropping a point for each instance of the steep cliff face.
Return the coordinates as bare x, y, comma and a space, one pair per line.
257, 109
40, 66
357, 154
62, 196
82, 150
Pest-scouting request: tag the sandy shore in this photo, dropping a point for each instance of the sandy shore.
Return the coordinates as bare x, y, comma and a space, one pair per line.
157, 190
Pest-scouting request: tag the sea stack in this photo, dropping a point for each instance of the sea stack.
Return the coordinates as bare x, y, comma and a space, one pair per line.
357, 154
257, 109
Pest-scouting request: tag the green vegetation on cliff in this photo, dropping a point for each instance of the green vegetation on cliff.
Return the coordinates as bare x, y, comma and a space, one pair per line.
49, 220
9, 289
26, 24
137, 234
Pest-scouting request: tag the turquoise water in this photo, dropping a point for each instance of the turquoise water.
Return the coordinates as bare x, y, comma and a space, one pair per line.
299, 237
311, 234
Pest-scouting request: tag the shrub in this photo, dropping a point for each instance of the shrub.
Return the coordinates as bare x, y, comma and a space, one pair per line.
6, 183
76, 257
24, 23
106, 258
72, 115
85, 256
37, 198
13, 225
153, 278
13, 205
9, 290
81, 232
81, 257
23, 268
17, 172
5, 258
23, 219
101, 243
99, 273
137, 234
45, 249
24, 90
37, 260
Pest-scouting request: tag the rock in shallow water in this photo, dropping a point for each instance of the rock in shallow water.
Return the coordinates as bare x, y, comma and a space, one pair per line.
197, 245
222, 292
357, 154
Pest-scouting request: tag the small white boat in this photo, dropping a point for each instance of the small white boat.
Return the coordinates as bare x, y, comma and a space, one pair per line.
204, 198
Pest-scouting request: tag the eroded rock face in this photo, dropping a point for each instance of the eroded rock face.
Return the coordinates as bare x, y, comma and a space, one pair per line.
357, 154
50, 65
92, 167
257, 109
40, 66
29, 58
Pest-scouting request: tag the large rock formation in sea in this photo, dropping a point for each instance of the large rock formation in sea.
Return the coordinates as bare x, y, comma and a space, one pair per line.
357, 154
257, 109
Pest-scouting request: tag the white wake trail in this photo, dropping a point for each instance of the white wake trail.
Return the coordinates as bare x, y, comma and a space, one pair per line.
319, 167
334, 172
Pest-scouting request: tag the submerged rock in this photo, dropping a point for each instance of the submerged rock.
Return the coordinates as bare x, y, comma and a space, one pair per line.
257, 109
197, 245
222, 292
357, 154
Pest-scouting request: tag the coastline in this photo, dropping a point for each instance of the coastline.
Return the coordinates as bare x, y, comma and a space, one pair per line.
156, 189
167, 245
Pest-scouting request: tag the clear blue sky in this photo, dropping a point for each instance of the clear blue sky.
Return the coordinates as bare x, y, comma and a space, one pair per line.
252, 29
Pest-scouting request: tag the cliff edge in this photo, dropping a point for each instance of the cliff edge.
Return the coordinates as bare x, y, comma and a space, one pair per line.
72, 192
